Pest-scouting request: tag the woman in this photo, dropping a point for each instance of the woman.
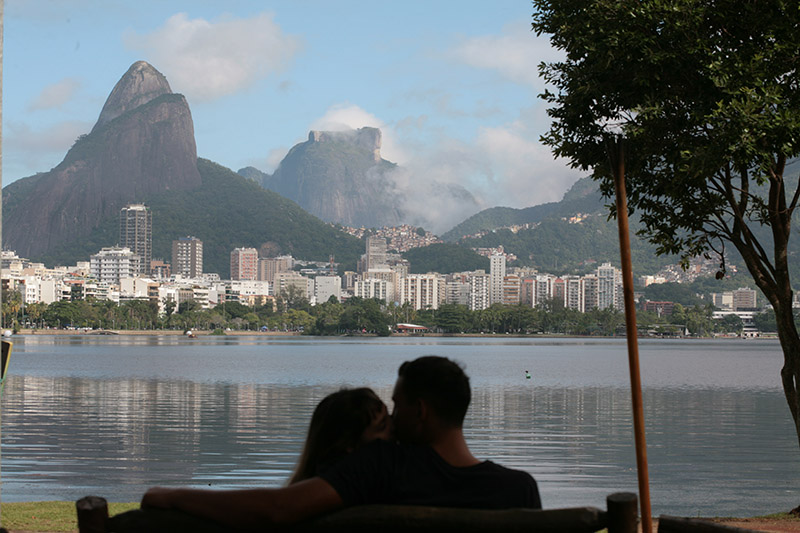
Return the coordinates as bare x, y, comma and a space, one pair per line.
342, 422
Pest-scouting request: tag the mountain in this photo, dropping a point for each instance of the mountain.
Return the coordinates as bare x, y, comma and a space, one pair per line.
143, 144
583, 197
341, 177
444, 258
142, 149
225, 212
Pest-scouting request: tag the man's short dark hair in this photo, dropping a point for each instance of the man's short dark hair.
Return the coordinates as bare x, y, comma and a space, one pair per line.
442, 383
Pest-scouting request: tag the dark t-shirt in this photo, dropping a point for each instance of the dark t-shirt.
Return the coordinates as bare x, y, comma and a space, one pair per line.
391, 473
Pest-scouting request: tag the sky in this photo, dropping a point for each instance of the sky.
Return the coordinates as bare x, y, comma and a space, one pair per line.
453, 86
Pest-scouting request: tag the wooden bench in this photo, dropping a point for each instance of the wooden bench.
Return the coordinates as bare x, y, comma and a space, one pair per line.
620, 517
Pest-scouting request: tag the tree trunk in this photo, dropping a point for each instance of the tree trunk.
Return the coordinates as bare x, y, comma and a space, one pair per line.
790, 373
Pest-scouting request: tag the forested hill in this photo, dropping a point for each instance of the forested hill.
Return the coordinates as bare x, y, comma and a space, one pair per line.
444, 258
561, 246
226, 212
583, 197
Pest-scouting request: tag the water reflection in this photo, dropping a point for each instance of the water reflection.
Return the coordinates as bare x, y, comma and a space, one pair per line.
113, 416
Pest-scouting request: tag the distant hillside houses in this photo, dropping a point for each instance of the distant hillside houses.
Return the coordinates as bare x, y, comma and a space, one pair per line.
400, 238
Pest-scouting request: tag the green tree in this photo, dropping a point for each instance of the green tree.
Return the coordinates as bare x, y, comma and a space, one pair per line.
706, 96
362, 315
765, 321
327, 317
452, 318
60, 313
35, 312
12, 303
730, 324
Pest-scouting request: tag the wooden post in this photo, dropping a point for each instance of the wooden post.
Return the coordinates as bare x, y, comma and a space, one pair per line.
618, 168
622, 512
92, 514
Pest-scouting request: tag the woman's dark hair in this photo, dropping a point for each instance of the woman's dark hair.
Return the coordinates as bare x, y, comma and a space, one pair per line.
336, 427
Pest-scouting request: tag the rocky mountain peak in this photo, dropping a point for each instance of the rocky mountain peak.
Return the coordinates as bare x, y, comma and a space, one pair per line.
138, 86
142, 145
369, 138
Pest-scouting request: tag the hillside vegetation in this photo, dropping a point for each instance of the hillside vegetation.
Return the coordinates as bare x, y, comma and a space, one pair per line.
226, 212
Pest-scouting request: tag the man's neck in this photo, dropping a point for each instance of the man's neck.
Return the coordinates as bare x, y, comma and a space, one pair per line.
452, 447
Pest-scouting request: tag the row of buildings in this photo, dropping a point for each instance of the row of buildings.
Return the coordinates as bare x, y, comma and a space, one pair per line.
128, 271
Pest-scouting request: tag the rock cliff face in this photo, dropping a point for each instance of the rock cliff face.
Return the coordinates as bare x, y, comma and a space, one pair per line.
143, 143
340, 177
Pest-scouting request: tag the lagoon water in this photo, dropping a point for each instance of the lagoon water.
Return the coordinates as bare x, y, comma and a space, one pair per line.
114, 415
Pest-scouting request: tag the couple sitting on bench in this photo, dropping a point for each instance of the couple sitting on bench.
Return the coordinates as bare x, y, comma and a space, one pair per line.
357, 454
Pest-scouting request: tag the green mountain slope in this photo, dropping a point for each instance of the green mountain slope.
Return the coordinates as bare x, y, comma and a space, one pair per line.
560, 247
226, 212
444, 258
583, 197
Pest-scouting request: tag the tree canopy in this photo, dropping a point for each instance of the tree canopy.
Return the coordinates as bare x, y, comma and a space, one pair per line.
705, 97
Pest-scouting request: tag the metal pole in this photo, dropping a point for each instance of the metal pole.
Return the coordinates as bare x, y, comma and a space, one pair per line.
618, 168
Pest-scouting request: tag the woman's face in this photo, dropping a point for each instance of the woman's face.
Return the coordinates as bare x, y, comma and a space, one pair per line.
379, 428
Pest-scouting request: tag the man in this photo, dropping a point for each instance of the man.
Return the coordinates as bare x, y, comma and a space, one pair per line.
431, 464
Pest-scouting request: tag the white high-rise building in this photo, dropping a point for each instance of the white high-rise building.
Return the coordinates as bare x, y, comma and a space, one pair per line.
110, 265
391, 276
325, 287
542, 289
380, 289
424, 291
589, 293
497, 271
478, 291
609, 281
574, 294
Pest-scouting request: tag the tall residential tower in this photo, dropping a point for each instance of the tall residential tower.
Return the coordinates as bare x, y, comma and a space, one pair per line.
244, 263
187, 257
136, 233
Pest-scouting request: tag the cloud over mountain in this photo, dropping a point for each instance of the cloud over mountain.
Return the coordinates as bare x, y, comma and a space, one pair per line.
207, 60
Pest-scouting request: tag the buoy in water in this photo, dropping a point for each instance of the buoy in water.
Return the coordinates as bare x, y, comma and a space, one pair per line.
527, 375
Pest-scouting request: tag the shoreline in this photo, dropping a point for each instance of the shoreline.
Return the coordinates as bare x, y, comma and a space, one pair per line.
246, 333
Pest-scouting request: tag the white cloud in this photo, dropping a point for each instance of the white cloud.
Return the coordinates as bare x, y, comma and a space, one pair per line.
344, 117
503, 165
515, 54
207, 60
525, 171
56, 95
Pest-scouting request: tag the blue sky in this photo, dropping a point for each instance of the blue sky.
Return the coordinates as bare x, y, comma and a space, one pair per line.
452, 85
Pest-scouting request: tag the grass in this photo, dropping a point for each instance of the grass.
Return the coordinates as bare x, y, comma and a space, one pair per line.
48, 516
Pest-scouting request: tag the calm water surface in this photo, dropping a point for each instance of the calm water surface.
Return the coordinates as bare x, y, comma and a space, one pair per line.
114, 415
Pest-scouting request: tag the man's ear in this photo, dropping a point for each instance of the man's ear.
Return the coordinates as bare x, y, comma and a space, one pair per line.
423, 410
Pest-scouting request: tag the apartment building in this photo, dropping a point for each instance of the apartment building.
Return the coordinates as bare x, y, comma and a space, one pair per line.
244, 263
